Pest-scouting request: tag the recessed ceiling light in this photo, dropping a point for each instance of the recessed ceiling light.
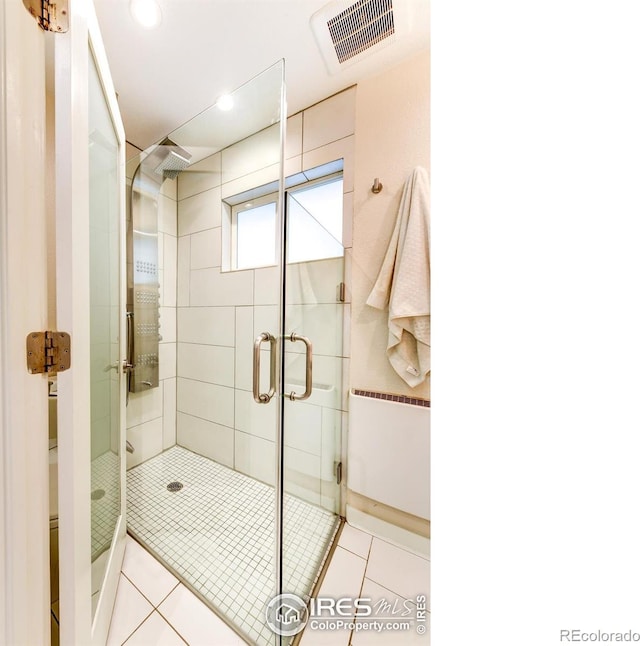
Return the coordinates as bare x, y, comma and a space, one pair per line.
225, 102
146, 12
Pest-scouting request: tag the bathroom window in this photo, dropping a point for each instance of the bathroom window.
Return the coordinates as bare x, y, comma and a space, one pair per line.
255, 232
314, 212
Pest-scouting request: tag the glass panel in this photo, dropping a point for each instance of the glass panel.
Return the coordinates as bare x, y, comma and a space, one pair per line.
312, 427
104, 276
206, 504
242, 502
314, 221
322, 205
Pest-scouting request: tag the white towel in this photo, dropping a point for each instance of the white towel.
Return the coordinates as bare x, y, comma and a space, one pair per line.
404, 284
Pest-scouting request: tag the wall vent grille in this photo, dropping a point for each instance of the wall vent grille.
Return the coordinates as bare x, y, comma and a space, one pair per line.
361, 26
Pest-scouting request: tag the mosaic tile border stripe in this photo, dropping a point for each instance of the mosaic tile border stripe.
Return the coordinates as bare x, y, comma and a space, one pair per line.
401, 399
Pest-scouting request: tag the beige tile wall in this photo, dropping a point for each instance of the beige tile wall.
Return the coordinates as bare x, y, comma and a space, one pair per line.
219, 313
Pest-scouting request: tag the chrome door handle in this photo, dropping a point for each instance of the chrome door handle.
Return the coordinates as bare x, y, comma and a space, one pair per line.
264, 398
308, 379
128, 365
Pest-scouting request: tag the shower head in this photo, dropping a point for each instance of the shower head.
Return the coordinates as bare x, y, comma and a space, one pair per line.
173, 159
171, 165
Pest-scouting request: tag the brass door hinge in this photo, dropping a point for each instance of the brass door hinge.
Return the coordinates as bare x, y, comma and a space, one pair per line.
48, 352
51, 15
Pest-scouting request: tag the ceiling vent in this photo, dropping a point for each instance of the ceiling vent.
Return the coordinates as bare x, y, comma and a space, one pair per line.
348, 31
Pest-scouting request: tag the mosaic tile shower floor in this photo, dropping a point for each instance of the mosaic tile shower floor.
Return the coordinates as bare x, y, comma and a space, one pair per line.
105, 501
217, 532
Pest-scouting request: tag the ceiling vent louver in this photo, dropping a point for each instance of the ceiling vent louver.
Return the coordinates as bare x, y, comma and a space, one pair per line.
361, 26
347, 31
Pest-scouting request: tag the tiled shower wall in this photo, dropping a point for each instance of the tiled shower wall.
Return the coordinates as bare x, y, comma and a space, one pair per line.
221, 312
151, 415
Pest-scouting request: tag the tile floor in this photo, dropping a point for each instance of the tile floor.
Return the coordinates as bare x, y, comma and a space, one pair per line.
218, 531
154, 609
365, 566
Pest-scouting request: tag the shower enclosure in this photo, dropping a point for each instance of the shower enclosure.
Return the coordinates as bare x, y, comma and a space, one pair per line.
236, 291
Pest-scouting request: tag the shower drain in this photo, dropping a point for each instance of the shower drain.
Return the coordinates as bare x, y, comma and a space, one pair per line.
174, 486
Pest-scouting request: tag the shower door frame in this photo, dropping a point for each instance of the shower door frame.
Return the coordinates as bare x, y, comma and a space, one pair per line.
282, 272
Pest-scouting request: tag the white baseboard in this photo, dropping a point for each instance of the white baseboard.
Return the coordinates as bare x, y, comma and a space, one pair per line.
409, 541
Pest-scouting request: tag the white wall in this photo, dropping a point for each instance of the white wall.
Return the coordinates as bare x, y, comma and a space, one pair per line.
392, 138
151, 415
221, 312
389, 450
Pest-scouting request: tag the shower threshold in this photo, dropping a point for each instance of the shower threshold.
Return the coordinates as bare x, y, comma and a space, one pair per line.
217, 533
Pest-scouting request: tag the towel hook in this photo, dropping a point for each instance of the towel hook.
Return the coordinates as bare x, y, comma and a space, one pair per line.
377, 186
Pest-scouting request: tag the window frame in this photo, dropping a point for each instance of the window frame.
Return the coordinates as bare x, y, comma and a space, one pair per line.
267, 198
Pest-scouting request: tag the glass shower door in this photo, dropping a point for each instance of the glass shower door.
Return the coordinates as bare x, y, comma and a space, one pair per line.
106, 314
242, 503
89, 295
312, 379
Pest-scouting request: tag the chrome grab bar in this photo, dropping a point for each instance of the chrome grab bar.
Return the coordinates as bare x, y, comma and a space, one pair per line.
308, 385
264, 398
126, 366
